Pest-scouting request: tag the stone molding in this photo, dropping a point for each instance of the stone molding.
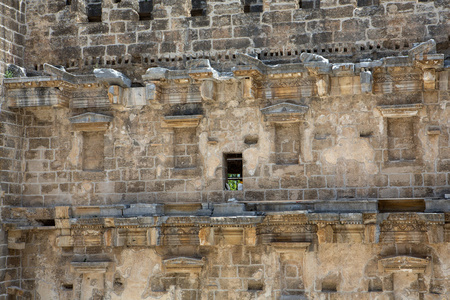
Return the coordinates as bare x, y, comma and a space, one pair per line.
182, 121
90, 122
404, 263
89, 267
284, 112
400, 111
183, 265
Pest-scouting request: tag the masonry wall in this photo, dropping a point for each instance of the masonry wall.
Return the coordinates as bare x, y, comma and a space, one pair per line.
12, 31
59, 34
343, 147
12, 42
11, 138
334, 257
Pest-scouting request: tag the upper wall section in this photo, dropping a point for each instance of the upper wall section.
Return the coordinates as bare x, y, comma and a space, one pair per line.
12, 32
116, 34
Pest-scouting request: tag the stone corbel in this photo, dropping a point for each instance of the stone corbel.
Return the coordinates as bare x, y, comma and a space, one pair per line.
366, 81
248, 75
90, 122
62, 223
284, 113
319, 67
400, 111
323, 85
183, 265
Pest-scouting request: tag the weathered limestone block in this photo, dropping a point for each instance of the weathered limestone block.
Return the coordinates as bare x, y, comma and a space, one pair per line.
112, 77
366, 80
38, 96
429, 79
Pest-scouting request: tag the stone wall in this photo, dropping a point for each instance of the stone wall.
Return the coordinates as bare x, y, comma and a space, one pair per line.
10, 191
299, 135
226, 252
12, 31
342, 30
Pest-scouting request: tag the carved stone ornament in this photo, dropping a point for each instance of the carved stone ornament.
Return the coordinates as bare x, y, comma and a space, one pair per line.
400, 111
183, 265
284, 112
90, 122
405, 263
37, 96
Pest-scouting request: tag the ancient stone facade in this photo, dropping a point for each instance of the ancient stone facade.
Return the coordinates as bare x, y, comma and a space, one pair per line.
224, 149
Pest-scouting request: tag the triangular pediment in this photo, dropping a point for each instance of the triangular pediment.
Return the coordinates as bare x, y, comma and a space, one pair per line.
284, 112
90, 122
284, 108
183, 265
405, 263
90, 117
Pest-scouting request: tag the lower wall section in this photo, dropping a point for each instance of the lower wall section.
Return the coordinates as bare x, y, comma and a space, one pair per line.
246, 255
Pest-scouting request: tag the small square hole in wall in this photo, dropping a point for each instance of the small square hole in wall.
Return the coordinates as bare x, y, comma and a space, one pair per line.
93, 151
94, 10
145, 10
233, 171
309, 4
198, 8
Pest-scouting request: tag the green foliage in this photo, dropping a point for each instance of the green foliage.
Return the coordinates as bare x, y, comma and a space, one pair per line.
233, 183
9, 74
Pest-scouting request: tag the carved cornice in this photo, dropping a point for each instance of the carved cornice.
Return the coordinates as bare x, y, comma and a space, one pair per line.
403, 223
405, 263
400, 111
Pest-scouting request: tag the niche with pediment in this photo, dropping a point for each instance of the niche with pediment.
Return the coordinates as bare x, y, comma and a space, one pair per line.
285, 119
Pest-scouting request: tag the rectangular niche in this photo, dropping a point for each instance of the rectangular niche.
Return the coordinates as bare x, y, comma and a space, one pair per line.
93, 150
185, 147
401, 142
287, 143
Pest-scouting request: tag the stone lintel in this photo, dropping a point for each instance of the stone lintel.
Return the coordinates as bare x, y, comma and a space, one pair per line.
284, 112
182, 121
183, 265
400, 111
290, 246
90, 122
405, 263
90, 266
